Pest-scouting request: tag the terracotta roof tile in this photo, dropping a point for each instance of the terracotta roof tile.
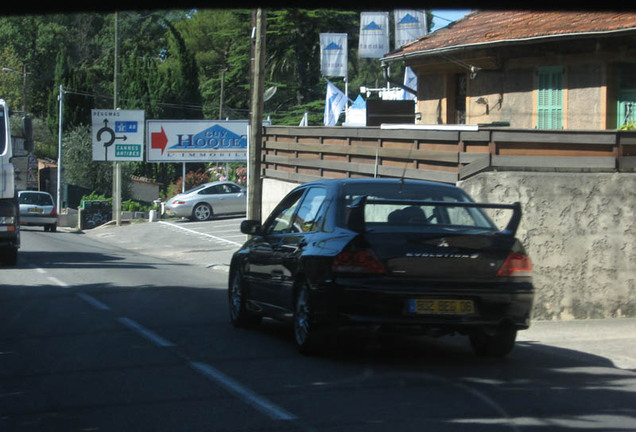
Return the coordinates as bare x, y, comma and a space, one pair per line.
492, 27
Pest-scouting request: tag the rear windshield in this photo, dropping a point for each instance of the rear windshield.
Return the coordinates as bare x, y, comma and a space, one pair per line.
408, 216
36, 199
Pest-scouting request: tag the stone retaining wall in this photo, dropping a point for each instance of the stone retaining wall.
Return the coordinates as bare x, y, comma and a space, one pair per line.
580, 230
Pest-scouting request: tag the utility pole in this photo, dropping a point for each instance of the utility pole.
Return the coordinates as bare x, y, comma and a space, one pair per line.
254, 183
59, 151
116, 164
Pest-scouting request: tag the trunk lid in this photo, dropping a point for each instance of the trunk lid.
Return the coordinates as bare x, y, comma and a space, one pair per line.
441, 256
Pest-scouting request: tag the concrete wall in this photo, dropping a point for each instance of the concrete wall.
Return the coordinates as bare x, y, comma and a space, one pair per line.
585, 101
504, 96
144, 190
273, 192
580, 230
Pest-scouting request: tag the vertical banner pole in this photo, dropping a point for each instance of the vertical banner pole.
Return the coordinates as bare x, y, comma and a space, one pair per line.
183, 177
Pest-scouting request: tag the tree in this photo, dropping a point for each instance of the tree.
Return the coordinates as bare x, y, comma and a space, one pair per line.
220, 42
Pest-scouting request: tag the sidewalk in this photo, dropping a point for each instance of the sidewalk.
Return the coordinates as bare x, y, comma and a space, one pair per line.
612, 340
165, 241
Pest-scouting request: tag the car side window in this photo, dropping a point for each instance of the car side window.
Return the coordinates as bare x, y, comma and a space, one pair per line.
309, 214
281, 218
230, 188
212, 190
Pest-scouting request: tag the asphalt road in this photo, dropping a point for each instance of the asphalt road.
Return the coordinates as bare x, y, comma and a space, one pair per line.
126, 329
211, 244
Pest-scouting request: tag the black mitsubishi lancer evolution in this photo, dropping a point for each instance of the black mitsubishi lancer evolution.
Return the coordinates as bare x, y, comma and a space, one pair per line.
401, 255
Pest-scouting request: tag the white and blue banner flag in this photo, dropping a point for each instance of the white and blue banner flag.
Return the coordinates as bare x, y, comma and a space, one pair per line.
410, 81
333, 54
335, 103
374, 34
410, 25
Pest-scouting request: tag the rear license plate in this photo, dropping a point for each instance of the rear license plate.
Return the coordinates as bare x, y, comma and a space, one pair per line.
441, 306
36, 210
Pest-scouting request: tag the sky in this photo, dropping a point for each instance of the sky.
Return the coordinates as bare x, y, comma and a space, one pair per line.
443, 17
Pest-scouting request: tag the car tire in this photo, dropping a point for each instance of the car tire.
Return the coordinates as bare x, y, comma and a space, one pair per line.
497, 343
53, 227
237, 299
309, 337
202, 212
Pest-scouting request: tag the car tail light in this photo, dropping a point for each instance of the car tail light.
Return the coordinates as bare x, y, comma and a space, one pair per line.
516, 264
358, 261
54, 211
178, 202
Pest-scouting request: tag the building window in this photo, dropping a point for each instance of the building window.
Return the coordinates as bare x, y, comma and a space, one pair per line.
626, 110
550, 98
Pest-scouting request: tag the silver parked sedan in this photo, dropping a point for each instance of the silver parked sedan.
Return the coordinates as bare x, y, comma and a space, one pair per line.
207, 200
38, 208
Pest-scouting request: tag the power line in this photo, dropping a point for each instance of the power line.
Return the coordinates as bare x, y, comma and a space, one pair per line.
164, 104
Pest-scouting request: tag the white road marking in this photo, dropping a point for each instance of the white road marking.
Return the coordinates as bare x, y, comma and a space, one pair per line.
247, 395
219, 239
58, 282
148, 334
93, 301
55, 280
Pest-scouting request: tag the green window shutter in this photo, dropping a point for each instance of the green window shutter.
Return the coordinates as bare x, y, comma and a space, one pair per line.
626, 100
626, 110
550, 98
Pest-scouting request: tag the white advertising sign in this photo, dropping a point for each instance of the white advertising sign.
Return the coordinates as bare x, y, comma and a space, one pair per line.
333, 54
374, 34
410, 25
118, 135
197, 140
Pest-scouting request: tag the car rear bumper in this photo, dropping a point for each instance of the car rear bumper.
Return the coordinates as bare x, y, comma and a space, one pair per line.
493, 304
179, 211
37, 220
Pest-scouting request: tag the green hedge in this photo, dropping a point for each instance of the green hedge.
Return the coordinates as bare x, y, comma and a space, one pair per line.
128, 205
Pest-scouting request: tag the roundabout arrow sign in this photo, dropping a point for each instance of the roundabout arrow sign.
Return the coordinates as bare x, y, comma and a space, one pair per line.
118, 135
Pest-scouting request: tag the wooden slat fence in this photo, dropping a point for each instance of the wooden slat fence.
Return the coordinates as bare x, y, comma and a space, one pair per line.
302, 154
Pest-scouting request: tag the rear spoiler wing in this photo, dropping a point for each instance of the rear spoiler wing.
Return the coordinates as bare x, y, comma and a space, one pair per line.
356, 222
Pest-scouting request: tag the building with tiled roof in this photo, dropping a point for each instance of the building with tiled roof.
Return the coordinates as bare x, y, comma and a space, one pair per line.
528, 69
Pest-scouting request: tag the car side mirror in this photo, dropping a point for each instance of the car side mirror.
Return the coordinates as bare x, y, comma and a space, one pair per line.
250, 227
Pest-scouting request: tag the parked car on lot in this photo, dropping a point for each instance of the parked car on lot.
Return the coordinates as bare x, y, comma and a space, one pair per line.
37, 208
207, 200
395, 254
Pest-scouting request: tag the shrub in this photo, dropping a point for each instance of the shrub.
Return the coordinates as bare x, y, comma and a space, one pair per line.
193, 179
